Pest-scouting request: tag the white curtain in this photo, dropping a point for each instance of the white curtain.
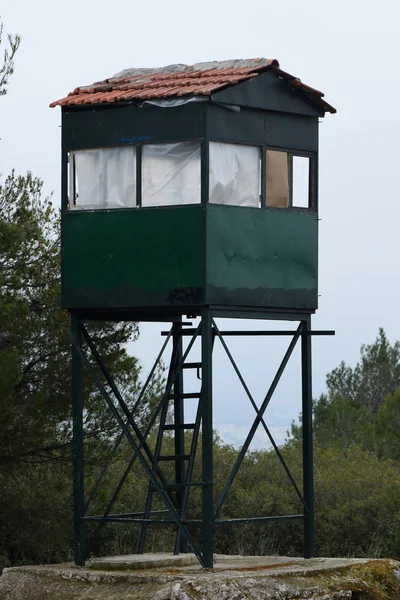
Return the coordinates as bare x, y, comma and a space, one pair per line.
105, 178
235, 174
171, 174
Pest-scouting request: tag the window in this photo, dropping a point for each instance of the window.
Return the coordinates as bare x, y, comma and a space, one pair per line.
235, 174
277, 179
301, 182
171, 174
103, 178
287, 180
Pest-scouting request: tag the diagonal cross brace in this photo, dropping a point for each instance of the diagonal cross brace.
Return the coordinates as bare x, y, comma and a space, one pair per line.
121, 436
263, 423
149, 426
146, 433
121, 401
260, 414
137, 450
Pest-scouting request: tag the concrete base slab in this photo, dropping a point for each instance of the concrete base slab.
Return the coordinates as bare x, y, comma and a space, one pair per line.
166, 577
135, 562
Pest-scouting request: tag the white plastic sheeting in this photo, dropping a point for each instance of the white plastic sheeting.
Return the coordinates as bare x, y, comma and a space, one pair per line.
171, 174
235, 174
105, 178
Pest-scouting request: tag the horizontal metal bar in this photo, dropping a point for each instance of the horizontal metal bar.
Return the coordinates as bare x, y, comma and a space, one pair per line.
192, 365
131, 520
196, 521
174, 457
261, 333
127, 515
258, 519
272, 333
185, 395
180, 426
176, 487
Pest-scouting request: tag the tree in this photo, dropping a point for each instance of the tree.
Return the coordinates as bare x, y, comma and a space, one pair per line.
7, 69
349, 412
373, 378
388, 427
35, 372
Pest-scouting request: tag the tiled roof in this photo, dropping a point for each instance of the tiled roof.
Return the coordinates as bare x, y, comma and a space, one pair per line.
175, 81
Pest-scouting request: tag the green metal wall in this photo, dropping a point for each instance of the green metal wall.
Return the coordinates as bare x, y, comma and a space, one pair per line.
133, 257
188, 255
167, 257
261, 257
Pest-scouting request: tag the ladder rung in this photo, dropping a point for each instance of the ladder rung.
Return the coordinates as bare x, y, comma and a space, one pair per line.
185, 395
172, 427
174, 457
191, 365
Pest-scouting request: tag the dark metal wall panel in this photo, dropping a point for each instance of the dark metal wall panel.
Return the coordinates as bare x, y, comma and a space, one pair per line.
262, 127
262, 258
268, 92
133, 258
130, 124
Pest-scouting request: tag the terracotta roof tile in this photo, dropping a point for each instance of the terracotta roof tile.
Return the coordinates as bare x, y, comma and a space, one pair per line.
201, 79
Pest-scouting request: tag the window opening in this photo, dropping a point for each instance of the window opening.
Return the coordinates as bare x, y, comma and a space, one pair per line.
234, 174
171, 174
301, 182
102, 178
277, 179
287, 180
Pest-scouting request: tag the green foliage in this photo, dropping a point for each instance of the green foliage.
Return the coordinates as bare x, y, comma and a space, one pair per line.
360, 402
35, 375
357, 503
373, 378
34, 334
7, 68
388, 427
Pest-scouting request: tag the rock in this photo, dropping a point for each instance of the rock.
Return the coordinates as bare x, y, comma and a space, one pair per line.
233, 578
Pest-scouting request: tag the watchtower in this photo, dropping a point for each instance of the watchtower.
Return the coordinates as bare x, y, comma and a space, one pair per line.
190, 191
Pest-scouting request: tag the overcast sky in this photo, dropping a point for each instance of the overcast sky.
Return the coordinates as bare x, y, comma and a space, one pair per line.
348, 49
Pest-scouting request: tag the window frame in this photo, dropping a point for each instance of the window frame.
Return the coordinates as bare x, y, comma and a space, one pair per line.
71, 179
70, 171
70, 186
232, 143
312, 179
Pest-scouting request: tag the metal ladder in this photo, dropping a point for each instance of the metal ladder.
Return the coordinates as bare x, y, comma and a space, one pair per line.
184, 463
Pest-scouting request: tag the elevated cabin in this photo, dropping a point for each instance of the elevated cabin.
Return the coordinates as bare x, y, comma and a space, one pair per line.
191, 186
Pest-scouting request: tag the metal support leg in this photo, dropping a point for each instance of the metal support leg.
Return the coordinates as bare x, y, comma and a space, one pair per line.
207, 438
308, 483
77, 443
179, 420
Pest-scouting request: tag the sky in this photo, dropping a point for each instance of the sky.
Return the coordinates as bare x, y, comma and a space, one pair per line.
349, 50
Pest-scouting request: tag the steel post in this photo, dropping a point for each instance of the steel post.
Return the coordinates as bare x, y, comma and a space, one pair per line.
77, 442
308, 481
179, 420
207, 437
